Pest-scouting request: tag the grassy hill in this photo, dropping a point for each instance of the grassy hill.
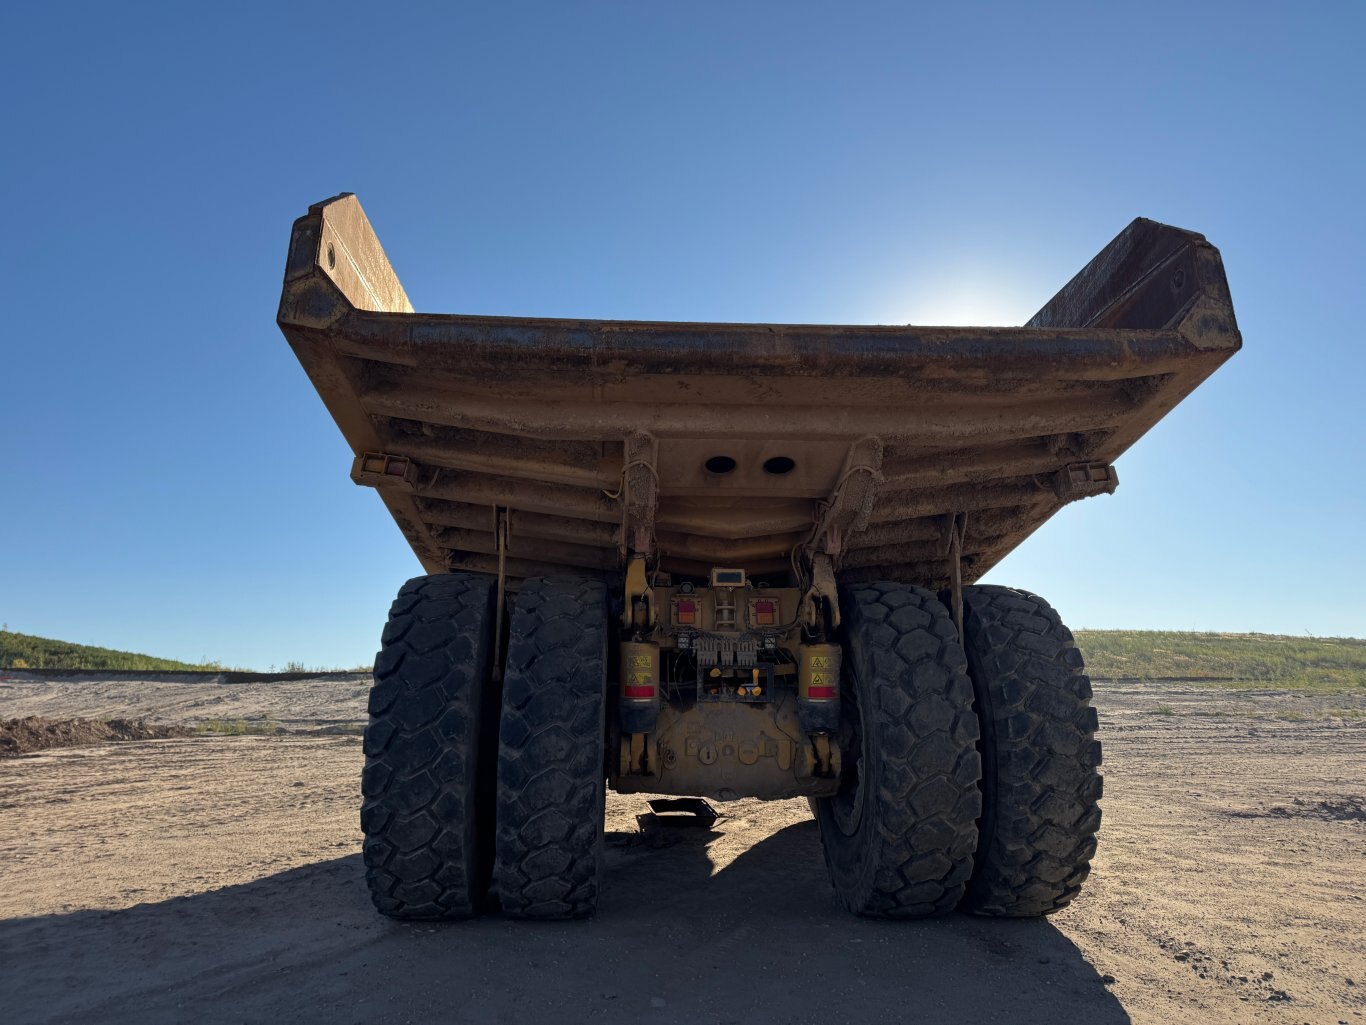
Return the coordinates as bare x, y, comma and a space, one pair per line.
1322, 665
22, 651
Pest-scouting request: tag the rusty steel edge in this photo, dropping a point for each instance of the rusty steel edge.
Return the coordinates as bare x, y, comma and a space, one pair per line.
497, 410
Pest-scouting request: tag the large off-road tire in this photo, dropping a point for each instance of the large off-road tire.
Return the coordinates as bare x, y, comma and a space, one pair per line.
551, 776
1040, 786
427, 784
900, 835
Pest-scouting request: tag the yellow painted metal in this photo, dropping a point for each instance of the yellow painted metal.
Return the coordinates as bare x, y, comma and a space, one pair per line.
638, 590
639, 702
731, 749
639, 668
726, 577
818, 666
822, 586
820, 743
635, 754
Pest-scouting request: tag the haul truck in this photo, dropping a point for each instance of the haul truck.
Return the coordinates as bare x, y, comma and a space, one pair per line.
736, 561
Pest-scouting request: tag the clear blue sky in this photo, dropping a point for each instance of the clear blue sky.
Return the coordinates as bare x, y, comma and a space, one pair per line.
172, 483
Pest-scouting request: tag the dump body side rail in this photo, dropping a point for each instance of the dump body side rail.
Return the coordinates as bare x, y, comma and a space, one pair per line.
582, 435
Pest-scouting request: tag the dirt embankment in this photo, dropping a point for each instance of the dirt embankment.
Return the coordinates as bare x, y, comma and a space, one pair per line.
292, 704
35, 733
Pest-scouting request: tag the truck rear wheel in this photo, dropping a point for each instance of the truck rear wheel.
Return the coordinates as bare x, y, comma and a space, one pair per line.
899, 836
1040, 786
551, 780
428, 797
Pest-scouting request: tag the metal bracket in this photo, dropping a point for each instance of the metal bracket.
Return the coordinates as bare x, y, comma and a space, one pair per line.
850, 504
639, 493
821, 755
822, 586
1082, 480
382, 470
958, 529
845, 512
500, 528
635, 755
639, 613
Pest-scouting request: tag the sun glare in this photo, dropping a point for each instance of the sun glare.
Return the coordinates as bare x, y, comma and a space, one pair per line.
969, 299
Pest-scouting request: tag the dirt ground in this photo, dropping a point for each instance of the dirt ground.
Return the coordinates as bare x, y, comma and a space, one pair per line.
218, 879
299, 704
34, 733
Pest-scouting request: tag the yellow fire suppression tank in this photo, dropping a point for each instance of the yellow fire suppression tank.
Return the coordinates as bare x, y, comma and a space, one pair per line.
818, 687
639, 694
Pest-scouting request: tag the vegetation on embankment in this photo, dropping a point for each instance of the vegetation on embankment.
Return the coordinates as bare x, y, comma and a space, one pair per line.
1316, 665
24, 651
1319, 665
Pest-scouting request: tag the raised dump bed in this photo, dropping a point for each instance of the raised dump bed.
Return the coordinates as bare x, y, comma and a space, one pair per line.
736, 443
714, 526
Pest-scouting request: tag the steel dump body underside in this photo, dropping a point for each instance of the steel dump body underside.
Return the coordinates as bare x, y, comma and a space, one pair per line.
579, 431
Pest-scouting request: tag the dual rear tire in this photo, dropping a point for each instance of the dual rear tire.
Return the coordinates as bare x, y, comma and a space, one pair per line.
1041, 784
899, 836
970, 768
475, 792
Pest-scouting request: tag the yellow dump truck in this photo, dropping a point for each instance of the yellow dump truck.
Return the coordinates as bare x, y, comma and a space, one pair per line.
736, 560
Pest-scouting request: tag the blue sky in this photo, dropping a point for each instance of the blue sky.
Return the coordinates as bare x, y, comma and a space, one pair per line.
174, 485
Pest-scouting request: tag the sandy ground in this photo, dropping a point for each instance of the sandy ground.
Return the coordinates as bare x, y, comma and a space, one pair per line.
218, 879
291, 704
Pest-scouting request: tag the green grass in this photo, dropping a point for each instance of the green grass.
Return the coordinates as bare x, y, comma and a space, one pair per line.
1311, 665
23, 651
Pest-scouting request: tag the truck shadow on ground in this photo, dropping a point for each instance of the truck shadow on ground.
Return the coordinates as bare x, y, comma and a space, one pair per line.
761, 940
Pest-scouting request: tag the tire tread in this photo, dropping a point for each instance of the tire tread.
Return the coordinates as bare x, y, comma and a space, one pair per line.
550, 751
1040, 780
917, 854
421, 811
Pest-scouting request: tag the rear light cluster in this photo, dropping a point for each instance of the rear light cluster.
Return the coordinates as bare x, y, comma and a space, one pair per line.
763, 612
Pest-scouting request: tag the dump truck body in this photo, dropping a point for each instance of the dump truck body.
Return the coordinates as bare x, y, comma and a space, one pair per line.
736, 560
736, 443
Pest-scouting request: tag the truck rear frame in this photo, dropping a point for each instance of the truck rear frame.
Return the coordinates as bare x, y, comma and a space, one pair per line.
737, 560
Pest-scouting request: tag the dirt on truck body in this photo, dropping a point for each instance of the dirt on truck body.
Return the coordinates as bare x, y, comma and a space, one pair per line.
734, 561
